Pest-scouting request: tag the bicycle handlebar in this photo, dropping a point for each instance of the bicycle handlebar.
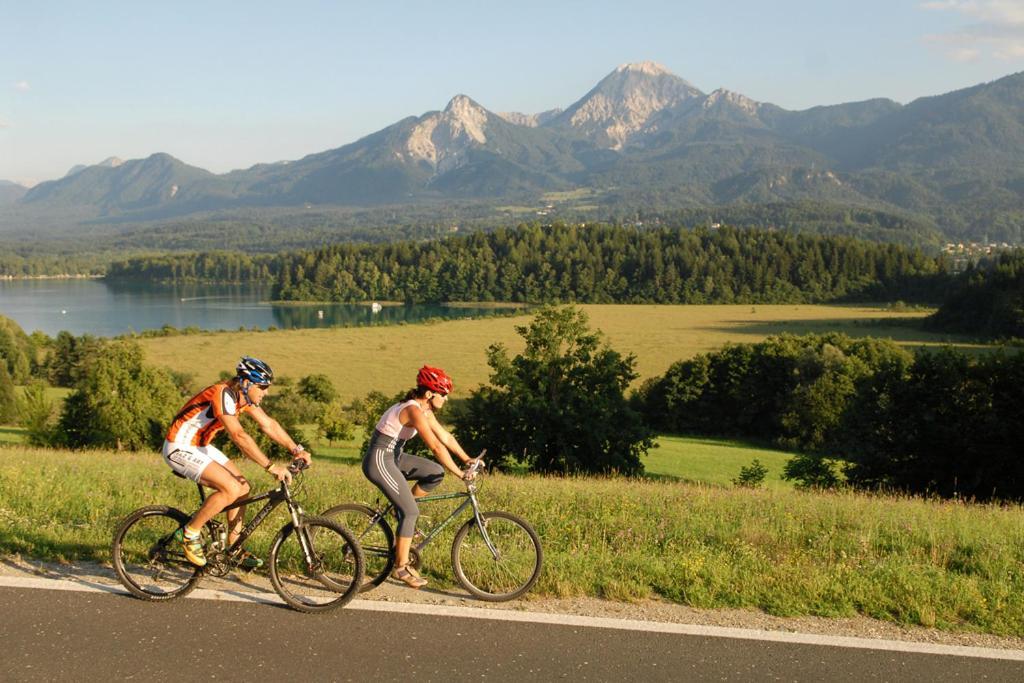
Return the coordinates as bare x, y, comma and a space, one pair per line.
297, 465
478, 463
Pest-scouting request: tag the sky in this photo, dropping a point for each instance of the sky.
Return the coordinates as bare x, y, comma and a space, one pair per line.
224, 85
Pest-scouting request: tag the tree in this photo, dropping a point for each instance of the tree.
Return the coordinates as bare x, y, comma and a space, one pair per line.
559, 406
318, 388
118, 402
334, 424
8, 401
35, 413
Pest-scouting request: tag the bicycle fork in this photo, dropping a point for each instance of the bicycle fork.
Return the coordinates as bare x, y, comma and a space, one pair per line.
312, 562
482, 523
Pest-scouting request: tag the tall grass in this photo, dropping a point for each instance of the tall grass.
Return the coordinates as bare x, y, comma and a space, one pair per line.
908, 560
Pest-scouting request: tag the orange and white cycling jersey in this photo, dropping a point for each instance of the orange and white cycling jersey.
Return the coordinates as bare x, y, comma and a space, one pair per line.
199, 420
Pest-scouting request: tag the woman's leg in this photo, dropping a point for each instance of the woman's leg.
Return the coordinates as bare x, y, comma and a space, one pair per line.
380, 468
427, 474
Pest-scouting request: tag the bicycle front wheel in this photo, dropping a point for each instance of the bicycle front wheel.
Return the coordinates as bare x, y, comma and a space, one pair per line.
148, 562
499, 562
376, 539
316, 567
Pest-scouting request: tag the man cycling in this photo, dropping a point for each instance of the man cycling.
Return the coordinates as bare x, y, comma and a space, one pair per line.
188, 451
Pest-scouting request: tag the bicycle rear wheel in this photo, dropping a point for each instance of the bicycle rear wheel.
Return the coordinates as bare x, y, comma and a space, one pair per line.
326, 578
500, 562
147, 560
375, 538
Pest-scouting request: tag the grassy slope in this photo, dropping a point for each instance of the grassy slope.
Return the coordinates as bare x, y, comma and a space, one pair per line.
912, 561
359, 360
712, 461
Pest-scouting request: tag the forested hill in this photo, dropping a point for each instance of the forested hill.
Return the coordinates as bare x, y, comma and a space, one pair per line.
987, 299
592, 264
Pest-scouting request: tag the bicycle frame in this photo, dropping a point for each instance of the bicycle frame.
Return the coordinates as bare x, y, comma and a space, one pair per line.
274, 499
469, 495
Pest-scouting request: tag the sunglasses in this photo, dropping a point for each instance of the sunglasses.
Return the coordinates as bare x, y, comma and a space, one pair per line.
264, 387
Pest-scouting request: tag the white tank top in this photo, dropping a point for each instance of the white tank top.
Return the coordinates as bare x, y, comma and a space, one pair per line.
390, 425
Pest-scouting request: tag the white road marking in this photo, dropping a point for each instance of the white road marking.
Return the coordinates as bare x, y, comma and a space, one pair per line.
87, 585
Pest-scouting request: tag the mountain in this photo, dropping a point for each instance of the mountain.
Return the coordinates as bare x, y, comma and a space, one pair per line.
109, 162
623, 103
642, 138
131, 185
11, 192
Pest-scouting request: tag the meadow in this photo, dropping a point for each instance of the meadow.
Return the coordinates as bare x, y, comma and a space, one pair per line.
908, 560
359, 360
684, 533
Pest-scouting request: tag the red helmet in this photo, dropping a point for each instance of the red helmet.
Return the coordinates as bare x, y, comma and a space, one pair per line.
434, 379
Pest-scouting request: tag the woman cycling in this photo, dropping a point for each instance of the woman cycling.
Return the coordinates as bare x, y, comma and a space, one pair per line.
388, 467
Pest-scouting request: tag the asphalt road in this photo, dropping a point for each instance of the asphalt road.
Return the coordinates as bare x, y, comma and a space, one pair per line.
52, 635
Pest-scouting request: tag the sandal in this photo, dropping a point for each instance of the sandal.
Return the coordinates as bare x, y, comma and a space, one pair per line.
406, 576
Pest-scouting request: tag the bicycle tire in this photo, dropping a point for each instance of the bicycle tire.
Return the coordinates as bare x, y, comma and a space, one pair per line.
497, 579
145, 562
335, 577
376, 539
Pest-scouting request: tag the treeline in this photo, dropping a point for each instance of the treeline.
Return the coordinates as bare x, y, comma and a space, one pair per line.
28, 263
615, 264
216, 266
937, 422
986, 300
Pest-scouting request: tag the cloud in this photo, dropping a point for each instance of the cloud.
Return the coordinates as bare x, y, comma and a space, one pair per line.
4, 124
23, 86
997, 29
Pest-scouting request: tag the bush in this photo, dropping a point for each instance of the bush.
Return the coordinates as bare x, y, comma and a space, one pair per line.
118, 402
318, 388
808, 471
36, 415
752, 475
8, 401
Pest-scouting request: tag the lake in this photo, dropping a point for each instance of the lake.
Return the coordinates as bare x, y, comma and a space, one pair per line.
112, 308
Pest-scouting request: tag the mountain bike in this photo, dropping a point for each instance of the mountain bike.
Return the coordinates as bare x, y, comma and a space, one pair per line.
496, 556
315, 563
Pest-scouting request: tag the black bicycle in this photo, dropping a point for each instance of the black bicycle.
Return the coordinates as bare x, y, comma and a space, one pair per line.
315, 563
496, 555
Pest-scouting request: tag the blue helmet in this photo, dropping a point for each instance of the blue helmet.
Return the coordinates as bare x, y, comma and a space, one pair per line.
254, 370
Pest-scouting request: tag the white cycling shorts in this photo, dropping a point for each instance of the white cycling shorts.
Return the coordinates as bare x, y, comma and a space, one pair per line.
190, 461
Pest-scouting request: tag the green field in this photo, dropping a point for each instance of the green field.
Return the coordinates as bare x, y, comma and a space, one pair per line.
907, 560
712, 461
362, 359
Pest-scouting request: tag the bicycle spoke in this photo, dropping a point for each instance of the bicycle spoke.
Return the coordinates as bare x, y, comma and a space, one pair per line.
506, 573
374, 536
316, 568
145, 559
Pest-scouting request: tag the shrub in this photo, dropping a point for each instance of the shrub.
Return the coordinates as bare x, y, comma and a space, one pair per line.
752, 475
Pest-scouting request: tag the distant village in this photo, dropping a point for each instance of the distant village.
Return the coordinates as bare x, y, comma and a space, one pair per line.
964, 253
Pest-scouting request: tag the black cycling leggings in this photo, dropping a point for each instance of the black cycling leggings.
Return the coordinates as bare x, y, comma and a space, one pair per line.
388, 468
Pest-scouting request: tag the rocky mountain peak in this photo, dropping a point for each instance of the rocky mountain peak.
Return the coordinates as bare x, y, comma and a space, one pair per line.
530, 120
622, 104
648, 68
727, 97
440, 138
